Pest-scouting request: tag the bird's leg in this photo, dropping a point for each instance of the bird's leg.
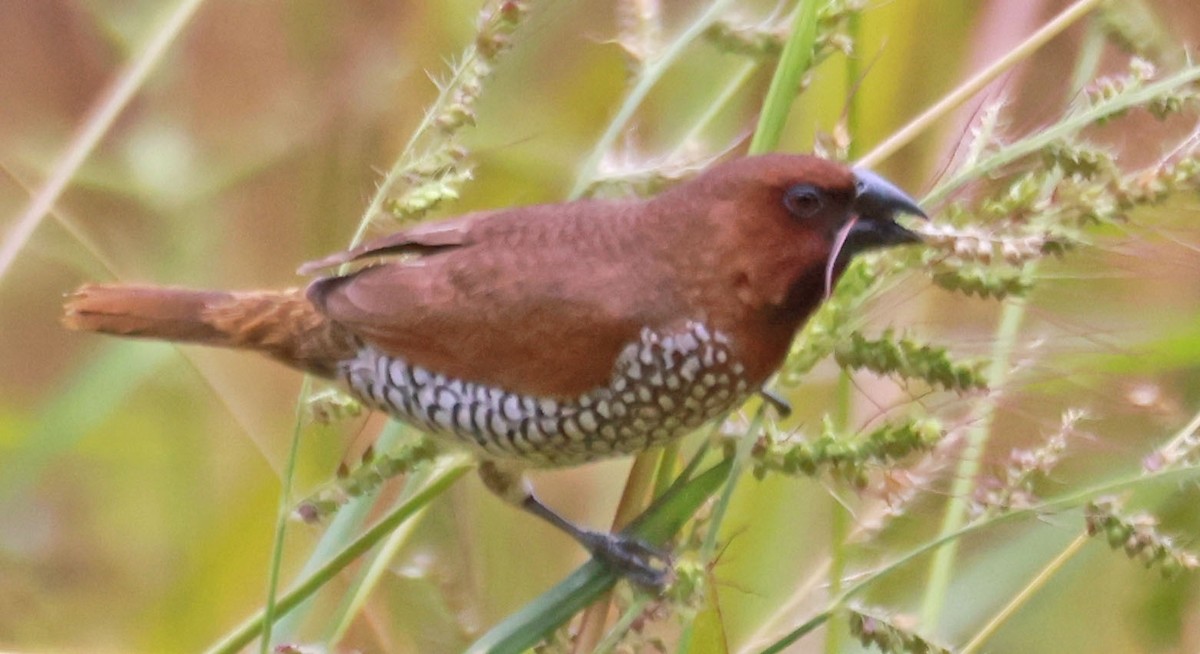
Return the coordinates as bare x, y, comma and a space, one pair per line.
640, 562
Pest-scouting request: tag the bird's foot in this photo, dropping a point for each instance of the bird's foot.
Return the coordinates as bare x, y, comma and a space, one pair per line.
641, 563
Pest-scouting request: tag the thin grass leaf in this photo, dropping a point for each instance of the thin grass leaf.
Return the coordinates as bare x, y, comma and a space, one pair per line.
281, 519
340, 532
444, 472
104, 113
975, 84
90, 398
793, 63
650, 75
541, 617
1069, 500
1070, 125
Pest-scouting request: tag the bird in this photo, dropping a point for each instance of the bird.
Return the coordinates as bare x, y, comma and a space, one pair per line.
554, 335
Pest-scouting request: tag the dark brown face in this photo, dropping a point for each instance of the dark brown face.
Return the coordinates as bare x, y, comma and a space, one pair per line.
792, 223
799, 197
857, 214
849, 217
763, 239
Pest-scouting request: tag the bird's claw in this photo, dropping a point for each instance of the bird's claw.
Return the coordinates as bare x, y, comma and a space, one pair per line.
641, 563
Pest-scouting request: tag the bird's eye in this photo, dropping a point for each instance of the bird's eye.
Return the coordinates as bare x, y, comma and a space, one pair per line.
804, 200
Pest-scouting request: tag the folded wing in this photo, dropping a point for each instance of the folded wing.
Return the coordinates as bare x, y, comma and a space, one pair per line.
496, 298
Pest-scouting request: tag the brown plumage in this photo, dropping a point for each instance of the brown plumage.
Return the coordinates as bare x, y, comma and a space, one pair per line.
556, 334
281, 324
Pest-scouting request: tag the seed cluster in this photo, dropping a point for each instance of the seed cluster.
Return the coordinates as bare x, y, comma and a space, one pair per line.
663, 386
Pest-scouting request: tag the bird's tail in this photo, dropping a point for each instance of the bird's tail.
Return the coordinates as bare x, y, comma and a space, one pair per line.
281, 324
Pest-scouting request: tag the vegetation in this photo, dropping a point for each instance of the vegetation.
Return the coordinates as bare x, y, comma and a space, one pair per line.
976, 423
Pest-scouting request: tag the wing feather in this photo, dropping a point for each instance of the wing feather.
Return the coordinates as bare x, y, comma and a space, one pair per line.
538, 300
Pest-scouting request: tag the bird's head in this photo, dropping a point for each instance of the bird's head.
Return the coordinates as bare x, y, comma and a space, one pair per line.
792, 223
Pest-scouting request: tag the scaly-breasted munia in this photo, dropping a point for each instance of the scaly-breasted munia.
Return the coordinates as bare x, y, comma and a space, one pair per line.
557, 334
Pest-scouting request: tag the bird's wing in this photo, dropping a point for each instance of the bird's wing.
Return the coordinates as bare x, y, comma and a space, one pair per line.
539, 300
420, 240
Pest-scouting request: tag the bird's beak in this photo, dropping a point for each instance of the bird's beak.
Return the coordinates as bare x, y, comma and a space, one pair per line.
877, 201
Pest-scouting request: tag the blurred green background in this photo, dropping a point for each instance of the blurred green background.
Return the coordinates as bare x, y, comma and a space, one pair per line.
139, 482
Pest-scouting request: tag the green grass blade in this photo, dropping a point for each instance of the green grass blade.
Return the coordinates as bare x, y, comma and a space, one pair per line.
87, 400
100, 119
341, 530
793, 63
281, 519
444, 472
542, 616
650, 76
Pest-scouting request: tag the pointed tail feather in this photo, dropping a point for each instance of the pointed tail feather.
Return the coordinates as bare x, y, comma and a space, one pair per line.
168, 314
281, 324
